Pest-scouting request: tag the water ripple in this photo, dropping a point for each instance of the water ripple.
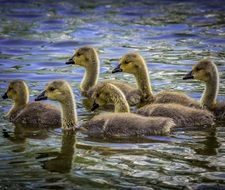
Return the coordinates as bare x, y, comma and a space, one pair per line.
37, 38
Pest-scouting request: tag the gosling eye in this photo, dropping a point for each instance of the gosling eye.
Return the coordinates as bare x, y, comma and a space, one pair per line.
126, 62
97, 95
51, 88
78, 54
198, 69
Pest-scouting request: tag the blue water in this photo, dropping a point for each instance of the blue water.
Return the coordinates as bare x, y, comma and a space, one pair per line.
37, 37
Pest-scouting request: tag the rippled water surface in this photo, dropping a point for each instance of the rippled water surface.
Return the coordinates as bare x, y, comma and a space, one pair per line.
37, 37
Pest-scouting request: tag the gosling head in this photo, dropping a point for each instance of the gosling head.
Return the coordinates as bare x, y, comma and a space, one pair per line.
203, 71
57, 90
101, 96
130, 63
84, 56
17, 91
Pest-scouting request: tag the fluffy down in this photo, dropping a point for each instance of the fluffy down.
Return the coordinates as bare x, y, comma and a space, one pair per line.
127, 125
39, 114
183, 116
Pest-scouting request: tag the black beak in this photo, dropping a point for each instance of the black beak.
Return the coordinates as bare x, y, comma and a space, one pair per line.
70, 61
117, 69
41, 97
4, 96
94, 106
188, 76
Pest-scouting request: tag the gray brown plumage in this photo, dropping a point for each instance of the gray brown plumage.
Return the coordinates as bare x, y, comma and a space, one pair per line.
182, 116
23, 112
39, 114
127, 124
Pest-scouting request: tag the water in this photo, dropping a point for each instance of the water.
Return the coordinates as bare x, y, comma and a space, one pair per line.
37, 37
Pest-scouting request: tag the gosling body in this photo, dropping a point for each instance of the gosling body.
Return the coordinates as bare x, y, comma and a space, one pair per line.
23, 112
134, 63
39, 114
133, 123
122, 125
87, 57
182, 116
127, 124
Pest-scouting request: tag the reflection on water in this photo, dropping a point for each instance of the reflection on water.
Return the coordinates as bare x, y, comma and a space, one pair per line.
63, 161
37, 37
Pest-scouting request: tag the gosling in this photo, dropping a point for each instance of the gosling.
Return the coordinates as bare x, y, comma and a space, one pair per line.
23, 112
207, 72
182, 116
87, 57
133, 63
107, 125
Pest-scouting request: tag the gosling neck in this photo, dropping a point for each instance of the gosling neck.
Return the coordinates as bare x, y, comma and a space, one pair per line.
119, 101
68, 113
19, 104
90, 78
143, 82
210, 93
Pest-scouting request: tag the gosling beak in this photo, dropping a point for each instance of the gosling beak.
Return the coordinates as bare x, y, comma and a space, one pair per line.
94, 106
41, 97
4, 96
70, 61
188, 76
117, 69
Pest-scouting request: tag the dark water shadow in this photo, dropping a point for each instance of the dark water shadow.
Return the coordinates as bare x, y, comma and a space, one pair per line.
21, 133
62, 161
